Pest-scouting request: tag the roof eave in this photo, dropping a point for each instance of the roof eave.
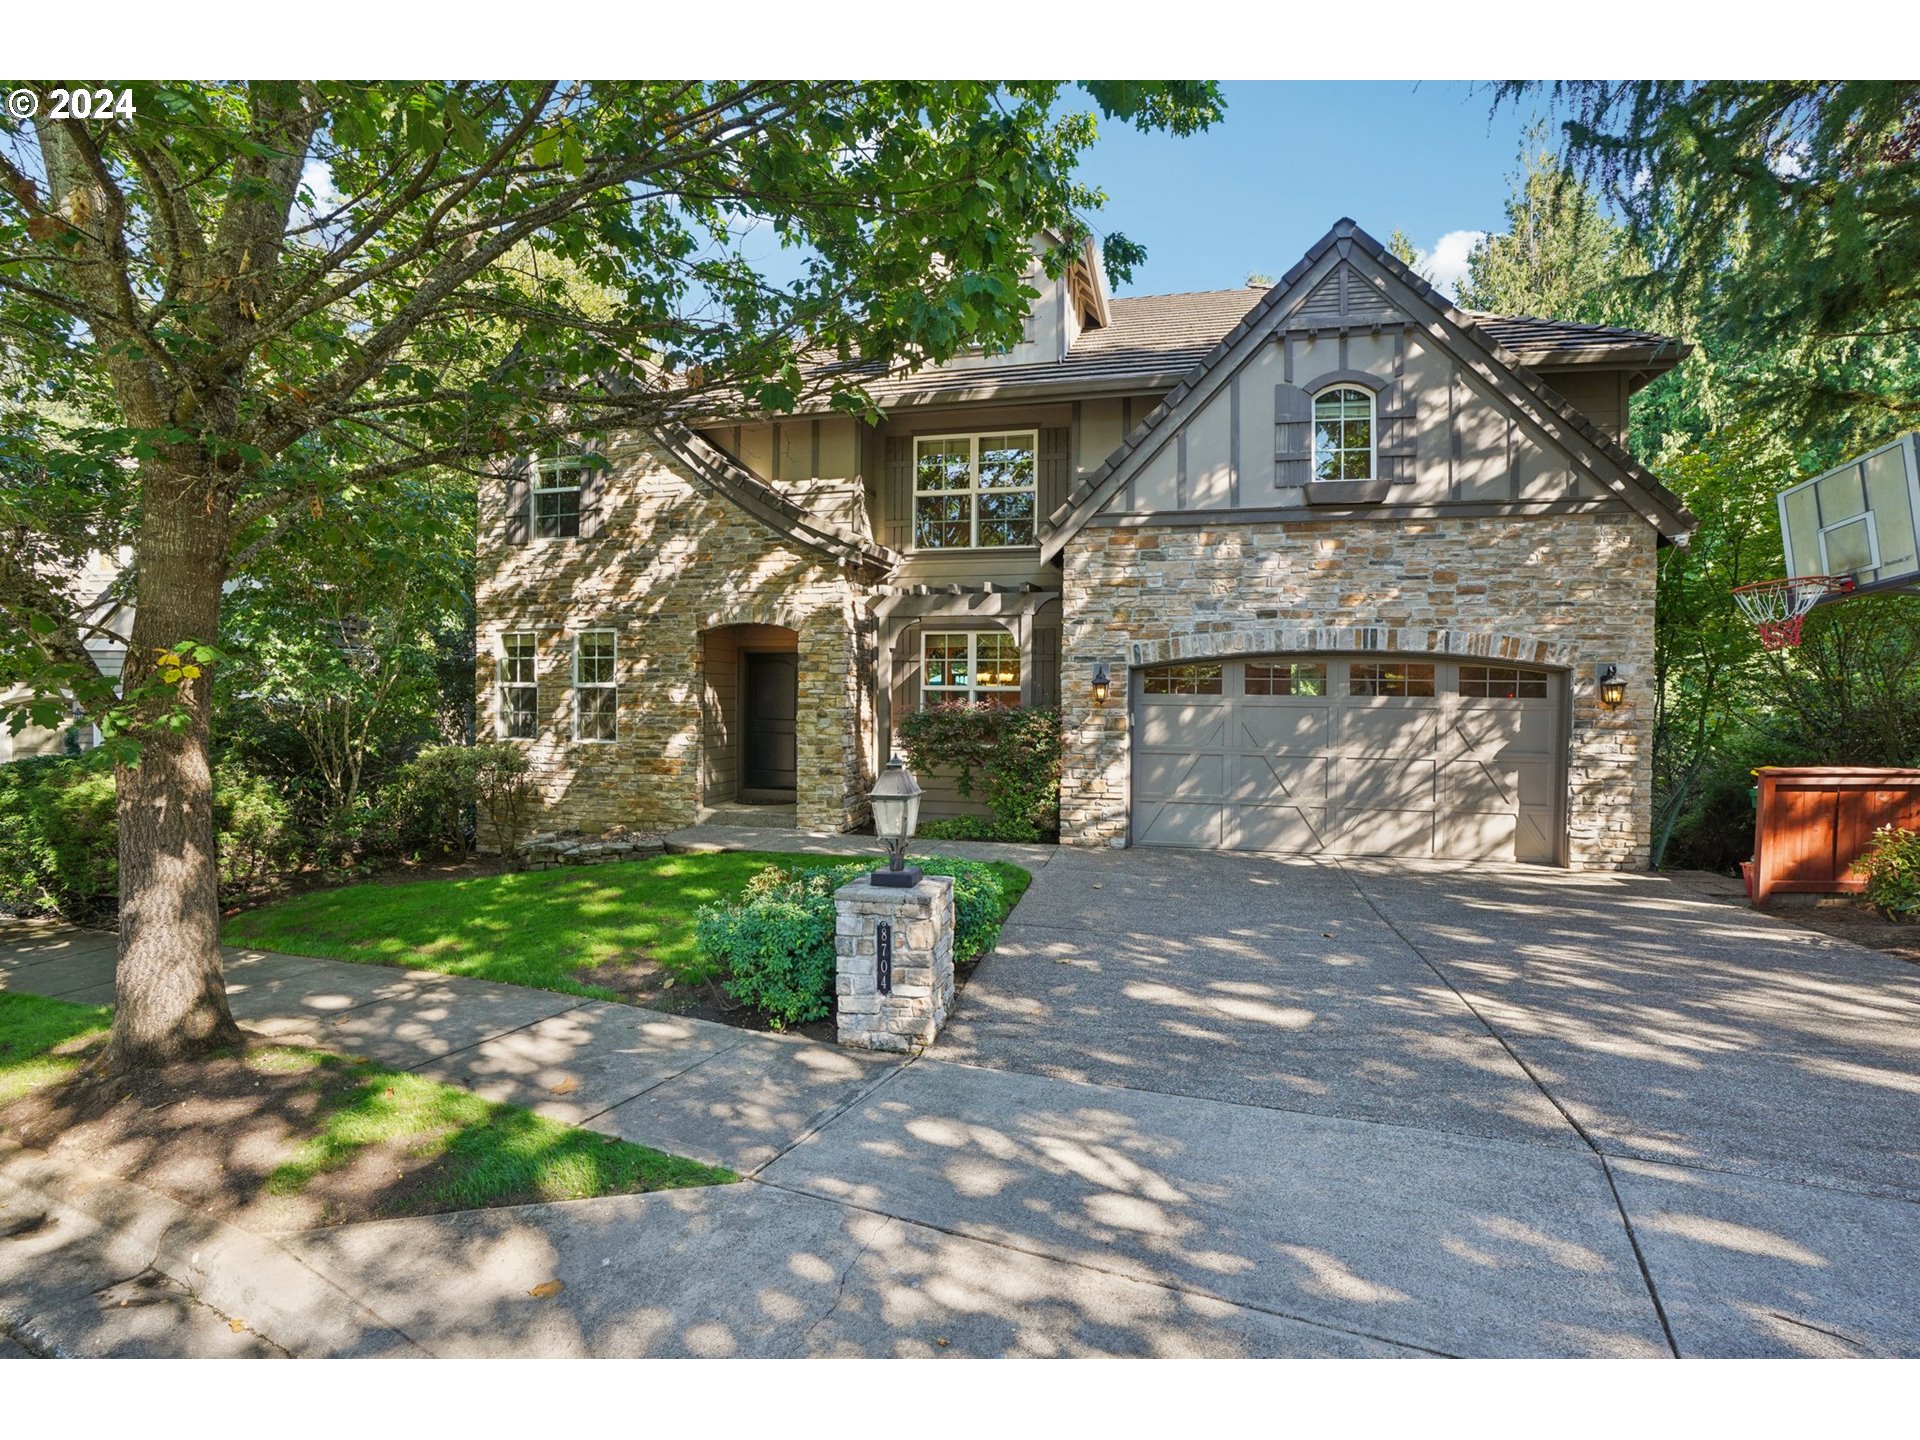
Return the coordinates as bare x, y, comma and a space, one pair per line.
1657, 359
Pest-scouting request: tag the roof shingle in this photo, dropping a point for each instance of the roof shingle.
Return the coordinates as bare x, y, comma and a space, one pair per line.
1159, 338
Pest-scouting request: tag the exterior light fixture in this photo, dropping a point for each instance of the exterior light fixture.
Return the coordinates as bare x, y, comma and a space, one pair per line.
1102, 683
1613, 688
896, 815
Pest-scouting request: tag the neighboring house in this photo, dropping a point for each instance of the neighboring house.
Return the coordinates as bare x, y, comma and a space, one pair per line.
109, 623
1353, 559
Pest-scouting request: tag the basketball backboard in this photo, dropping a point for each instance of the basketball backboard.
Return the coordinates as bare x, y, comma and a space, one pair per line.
1860, 520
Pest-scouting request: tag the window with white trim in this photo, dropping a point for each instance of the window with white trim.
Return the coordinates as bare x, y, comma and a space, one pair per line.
518, 668
595, 698
979, 667
1343, 433
972, 492
557, 481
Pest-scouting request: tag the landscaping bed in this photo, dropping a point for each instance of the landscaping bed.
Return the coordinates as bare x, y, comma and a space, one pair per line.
283, 1137
1857, 921
626, 932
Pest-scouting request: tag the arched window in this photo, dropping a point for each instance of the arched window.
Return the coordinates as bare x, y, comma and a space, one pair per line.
1343, 434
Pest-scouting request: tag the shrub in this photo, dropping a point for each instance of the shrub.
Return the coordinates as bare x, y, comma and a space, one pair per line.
774, 945
502, 791
440, 792
351, 840
1891, 865
59, 846
59, 837
1011, 758
256, 837
961, 827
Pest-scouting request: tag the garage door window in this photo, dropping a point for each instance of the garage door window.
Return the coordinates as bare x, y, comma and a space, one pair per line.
1183, 680
1291, 679
1410, 681
1502, 682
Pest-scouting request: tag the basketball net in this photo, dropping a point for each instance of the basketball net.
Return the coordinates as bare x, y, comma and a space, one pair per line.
1778, 608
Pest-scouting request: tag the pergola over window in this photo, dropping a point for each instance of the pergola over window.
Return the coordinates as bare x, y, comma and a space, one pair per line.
978, 666
1343, 434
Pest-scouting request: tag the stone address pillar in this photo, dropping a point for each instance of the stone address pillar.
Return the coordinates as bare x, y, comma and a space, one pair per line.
921, 996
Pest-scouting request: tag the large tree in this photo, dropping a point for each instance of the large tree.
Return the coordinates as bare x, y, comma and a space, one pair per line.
1786, 216
1560, 256
259, 296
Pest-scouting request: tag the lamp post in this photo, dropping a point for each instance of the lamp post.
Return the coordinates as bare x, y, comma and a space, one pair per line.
896, 814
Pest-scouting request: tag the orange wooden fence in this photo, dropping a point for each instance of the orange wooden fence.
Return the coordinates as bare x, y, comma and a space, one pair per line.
1813, 822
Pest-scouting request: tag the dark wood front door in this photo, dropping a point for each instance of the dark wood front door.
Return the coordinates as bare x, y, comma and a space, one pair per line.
772, 706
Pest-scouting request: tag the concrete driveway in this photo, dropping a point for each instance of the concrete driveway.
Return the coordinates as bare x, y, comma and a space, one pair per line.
1466, 1110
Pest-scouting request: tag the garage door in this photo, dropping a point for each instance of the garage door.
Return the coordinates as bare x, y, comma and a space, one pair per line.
1350, 755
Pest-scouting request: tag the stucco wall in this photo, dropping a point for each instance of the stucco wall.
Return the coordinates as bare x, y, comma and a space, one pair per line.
1567, 591
674, 562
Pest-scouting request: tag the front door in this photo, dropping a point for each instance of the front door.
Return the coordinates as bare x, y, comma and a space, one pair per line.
773, 703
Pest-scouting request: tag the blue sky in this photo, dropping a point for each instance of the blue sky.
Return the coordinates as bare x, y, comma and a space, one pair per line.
1294, 156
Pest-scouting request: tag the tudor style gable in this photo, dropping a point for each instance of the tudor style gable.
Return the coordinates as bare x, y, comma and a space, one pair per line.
1355, 388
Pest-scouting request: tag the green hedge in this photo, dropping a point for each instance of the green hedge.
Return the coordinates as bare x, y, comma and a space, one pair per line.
58, 847
1008, 759
59, 843
773, 947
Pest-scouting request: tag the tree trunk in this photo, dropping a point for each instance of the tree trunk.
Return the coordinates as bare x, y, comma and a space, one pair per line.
170, 993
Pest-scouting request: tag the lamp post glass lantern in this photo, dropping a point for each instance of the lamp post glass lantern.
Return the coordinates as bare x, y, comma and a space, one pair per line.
896, 815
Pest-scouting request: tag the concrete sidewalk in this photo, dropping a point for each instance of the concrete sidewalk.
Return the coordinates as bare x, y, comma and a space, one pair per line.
689, 1087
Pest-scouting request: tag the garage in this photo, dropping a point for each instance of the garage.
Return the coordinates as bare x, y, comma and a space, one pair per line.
1351, 755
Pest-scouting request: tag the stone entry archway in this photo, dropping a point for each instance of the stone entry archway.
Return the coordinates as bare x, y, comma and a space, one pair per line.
742, 667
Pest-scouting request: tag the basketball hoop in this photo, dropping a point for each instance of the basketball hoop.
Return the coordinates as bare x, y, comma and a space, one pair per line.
1778, 608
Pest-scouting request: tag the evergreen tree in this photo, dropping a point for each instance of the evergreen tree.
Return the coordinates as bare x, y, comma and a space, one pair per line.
1560, 256
1785, 214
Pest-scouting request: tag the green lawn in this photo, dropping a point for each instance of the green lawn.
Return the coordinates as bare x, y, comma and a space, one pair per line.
475, 1152
488, 1154
40, 1040
537, 928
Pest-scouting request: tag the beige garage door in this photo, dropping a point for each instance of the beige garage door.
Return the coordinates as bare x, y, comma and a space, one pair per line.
1350, 755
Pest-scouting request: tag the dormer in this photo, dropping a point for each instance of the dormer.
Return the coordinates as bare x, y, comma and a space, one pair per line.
1067, 308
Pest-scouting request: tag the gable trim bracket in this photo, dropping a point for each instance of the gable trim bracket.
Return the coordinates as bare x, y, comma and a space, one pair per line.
722, 475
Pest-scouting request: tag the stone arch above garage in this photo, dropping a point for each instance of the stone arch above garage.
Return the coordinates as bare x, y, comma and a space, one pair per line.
1259, 639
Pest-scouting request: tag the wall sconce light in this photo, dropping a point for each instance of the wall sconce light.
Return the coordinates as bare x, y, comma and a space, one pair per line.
1613, 688
1102, 683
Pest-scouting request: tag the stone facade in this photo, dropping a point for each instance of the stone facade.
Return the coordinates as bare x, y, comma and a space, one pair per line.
672, 563
921, 997
1570, 592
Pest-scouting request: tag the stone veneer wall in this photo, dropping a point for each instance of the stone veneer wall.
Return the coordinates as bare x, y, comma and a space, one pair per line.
1573, 591
674, 561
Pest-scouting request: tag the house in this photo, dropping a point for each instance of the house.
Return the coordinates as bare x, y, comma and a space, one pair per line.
1354, 560
105, 622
